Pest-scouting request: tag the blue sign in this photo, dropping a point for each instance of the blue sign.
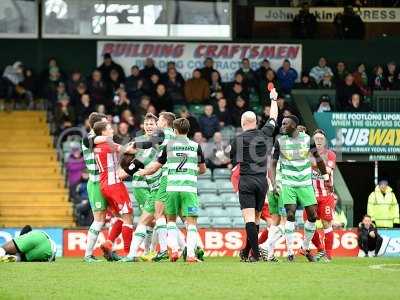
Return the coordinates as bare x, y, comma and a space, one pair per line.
56, 234
391, 242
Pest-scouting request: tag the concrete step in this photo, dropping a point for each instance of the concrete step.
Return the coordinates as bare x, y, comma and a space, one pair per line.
29, 164
42, 221
16, 211
29, 172
23, 196
49, 184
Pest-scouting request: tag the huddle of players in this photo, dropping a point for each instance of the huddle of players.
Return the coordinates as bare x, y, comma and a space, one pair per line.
164, 164
300, 178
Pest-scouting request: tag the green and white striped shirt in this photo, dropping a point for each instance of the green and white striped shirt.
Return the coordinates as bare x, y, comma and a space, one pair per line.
294, 157
181, 159
89, 158
146, 156
169, 135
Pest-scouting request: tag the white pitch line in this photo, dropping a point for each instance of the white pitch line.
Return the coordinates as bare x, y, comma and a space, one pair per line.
384, 267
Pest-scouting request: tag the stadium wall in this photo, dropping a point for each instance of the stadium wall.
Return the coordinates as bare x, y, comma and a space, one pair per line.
73, 53
216, 242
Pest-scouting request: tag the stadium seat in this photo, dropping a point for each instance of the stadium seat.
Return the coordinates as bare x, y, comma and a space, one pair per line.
206, 186
203, 212
222, 174
221, 222
215, 212
204, 221
224, 186
206, 176
228, 132
233, 212
238, 222
196, 109
207, 200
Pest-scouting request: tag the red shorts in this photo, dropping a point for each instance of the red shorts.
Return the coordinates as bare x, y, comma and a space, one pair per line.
117, 198
265, 212
325, 208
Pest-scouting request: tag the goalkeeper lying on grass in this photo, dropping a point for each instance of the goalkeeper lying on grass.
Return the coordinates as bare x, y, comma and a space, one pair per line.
29, 246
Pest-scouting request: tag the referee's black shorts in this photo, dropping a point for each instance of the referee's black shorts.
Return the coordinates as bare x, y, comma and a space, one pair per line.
252, 191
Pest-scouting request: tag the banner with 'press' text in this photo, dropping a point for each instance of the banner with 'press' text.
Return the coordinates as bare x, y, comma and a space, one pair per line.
188, 56
362, 133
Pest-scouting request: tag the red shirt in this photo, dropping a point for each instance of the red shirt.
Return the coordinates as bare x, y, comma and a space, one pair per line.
322, 187
106, 156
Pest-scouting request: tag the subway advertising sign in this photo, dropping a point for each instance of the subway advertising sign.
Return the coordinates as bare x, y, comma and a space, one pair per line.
376, 134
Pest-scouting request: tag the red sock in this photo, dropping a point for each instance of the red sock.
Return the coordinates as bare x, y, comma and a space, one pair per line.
317, 241
328, 239
127, 232
115, 230
263, 236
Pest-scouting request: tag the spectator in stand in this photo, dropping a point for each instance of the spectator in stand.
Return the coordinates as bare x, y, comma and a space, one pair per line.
223, 113
304, 25
64, 115
128, 118
264, 117
368, 237
122, 137
218, 152
262, 70
249, 75
209, 123
286, 76
83, 213
175, 87
216, 84
150, 86
357, 105
132, 82
318, 72
108, 65
361, 80
53, 72
121, 101
382, 206
84, 108
142, 109
379, 81
73, 83
326, 82
80, 90
30, 82
237, 111
194, 125
391, 75
197, 89
340, 73
349, 24
305, 82
199, 139
324, 104
235, 90
74, 166
164, 76
115, 81
101, 109
99, 91
344, 92
208, 68
13, 75
270, 77
161, 100
149, 69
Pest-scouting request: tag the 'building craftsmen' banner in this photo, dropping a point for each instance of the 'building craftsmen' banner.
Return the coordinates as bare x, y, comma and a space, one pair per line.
189, 56
363, 133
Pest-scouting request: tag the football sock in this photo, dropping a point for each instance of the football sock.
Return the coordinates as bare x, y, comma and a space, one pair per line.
93, 234
309, 230
289, 233
181, 240
263, 236
115, 230
147, 240
127, 232
154, 240
328, 240
162, 233
140, 235
172, 236
251, 230
191, 240
316, 239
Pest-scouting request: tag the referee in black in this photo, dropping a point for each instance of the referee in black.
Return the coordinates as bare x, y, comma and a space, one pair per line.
251, 149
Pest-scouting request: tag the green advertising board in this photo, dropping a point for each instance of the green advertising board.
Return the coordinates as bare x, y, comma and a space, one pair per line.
375, 134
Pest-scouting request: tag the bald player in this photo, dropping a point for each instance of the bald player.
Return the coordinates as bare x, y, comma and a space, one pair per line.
250, 150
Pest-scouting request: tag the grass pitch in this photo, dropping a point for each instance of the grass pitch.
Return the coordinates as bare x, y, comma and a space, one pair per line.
217, 278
